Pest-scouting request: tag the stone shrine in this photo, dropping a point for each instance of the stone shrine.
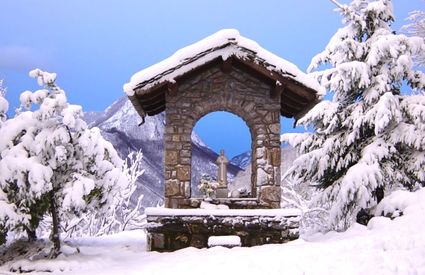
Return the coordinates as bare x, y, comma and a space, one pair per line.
223, 72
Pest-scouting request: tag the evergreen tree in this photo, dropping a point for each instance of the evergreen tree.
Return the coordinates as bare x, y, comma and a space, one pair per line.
370, 138
4, 105
9, 215
416, 27
125, 212
52, 163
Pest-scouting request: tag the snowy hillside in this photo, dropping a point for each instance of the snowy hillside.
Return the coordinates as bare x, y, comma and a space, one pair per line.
385, 246
242, 160
119, 125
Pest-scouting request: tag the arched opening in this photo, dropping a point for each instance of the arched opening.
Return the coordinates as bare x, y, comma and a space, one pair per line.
216, 131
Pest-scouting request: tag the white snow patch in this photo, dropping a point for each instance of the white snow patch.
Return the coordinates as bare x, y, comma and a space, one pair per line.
207, 205
224, 240
385, 246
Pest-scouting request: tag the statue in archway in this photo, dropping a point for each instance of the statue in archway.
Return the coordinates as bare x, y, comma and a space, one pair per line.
222, 162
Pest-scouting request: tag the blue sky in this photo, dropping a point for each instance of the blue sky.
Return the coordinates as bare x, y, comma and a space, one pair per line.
96, 46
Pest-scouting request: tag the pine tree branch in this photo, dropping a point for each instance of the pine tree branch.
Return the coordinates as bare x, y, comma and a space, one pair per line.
337, 4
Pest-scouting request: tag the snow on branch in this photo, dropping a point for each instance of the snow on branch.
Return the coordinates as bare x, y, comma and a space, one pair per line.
4, 105
337, 4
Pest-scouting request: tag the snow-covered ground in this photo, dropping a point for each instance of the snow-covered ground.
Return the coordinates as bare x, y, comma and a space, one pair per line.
385, 246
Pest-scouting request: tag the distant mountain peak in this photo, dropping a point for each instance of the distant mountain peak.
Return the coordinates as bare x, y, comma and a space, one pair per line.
242, 160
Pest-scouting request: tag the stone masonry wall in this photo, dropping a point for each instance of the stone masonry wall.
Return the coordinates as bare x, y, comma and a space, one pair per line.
236, 92
170, 233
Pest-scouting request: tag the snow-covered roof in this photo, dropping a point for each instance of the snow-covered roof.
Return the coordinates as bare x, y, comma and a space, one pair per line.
224, 44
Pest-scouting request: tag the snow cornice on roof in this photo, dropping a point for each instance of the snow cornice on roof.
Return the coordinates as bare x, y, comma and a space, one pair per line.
222, 46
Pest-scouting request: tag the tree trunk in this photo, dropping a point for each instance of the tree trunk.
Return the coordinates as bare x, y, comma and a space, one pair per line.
54, 236
32, 236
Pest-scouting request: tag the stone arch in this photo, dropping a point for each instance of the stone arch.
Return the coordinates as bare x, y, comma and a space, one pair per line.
252, 134
237, 92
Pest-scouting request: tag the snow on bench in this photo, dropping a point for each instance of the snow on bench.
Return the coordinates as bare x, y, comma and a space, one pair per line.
227, 241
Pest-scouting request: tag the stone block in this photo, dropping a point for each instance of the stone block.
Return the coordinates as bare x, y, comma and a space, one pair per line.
185, 161
175, 138
263, 113
185, 189
276, 174
274, 143
170, 130
259, 152
270, 194
218, 85
171, 202
257, 120
195, 203
185, 138
269, 117
171, 157
276, 157
274, 128
185, 153
198, 241
181, 240
259, 130
173, 117
222, 193
274, 204
183, 173
262, 177
157, 241
184, 203
249, 107
172, 188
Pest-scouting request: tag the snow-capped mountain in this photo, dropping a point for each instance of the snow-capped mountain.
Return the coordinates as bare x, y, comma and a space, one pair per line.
242, 160
119, 125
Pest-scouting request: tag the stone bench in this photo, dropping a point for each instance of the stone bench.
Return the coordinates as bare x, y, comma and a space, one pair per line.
172, 229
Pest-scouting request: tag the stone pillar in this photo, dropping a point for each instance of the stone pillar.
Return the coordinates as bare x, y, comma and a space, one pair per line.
269, 159
177, 158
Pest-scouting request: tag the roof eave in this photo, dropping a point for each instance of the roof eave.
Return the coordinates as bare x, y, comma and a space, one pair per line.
293, 88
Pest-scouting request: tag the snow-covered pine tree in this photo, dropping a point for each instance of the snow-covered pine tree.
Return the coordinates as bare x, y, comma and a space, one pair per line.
4, 105
370, 138
125, 212
416, 27
52, 163
10, 217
